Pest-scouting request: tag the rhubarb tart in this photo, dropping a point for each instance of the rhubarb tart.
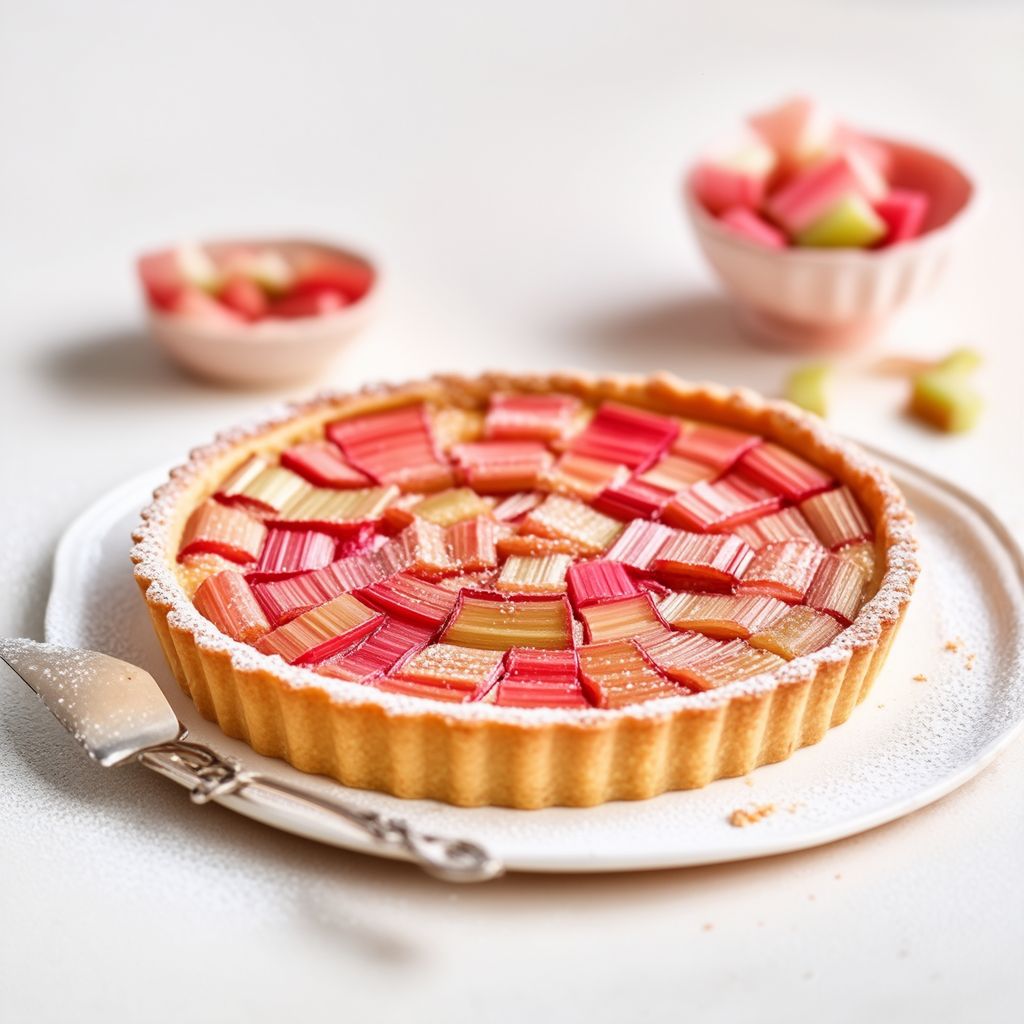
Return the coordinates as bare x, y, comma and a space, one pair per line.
526, 591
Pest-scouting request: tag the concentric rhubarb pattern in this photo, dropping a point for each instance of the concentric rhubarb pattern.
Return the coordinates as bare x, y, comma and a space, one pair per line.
645, 554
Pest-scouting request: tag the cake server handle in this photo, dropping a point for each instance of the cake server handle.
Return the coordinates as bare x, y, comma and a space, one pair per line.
212, 776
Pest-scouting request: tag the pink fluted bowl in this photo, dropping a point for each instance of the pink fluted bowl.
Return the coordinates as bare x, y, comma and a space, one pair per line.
840, 298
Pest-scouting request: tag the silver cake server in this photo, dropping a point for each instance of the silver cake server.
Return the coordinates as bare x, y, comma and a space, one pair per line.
119, 714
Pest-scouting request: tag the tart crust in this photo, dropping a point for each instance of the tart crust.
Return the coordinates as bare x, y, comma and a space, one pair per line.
479, 754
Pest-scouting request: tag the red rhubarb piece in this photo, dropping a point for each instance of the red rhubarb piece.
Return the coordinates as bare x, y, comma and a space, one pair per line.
836, 518
722, 505
286, 552
562, 518
838, 588
713, 561
245, 297
718, 447
502, 466
161, 279
393, 447
783, 472
283, 599
322, 464
535, 678
633, 499
383, 651
350, 278
473, 543
297, 307
321, 632
784, 571
618, 673
584, 476
411, 599
746, 224
226, 600
623, 434
638, 545
529, 417
903, 211
786, 524
597, 581
218, 529
673, 651
672, 473
464, 668
729, 663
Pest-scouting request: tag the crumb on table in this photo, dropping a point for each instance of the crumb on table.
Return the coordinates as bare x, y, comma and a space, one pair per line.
920, 678
742, 817
953, 646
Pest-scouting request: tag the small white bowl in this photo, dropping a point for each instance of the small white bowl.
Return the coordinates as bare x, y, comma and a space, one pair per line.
269, 352
840, 298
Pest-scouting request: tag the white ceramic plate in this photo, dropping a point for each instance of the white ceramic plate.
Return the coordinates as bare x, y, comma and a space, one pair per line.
909, 744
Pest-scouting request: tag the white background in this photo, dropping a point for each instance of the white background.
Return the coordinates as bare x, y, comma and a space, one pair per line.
514, 167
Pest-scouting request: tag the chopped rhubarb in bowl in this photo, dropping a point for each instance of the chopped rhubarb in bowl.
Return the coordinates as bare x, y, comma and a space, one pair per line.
256, 312
820, 233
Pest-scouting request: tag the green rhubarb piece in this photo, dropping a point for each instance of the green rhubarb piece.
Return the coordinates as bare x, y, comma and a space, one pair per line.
850, 224
806, 387
960, 361
947, 400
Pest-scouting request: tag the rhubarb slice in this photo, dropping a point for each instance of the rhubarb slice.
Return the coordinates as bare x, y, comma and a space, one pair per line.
409, 598
836, 518
750, 226
464, 668
425, 691
585, 477
800, 631
563, 518
502, 466
945, 399
786, 524
421, 548
473, 543
838, 588
381, 652
638, 545
633, 499
453, 506
515, 506
286, 552
729, 663
626, 435
222, 530
903, 211
674, 651
321, 632
530, 417
534, 574
496, 623
784, 571
528, 544
259, 486
284, 599
599, 580
621, 618
332, 509
227, 601
850, 223
806, 388
617, 673
714, 561
540, 679
674, 472
783, 472
393, 447
718, 447
722, 616
322, 464
722, 505
862, 555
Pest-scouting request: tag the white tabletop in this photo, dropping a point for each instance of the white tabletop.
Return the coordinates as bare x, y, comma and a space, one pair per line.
515, 170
